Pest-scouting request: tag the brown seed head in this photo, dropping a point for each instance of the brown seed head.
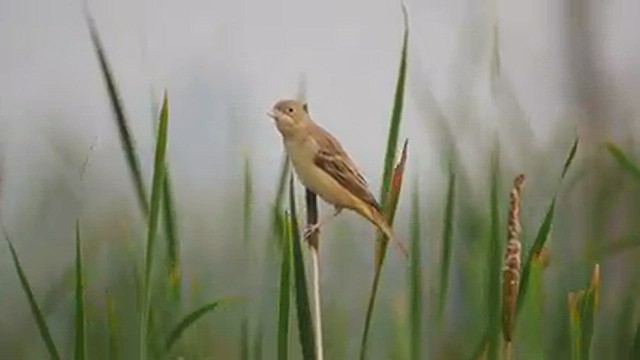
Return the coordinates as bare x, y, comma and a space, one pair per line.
512, 261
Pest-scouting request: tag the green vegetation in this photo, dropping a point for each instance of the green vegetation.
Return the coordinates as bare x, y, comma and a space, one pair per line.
451, 299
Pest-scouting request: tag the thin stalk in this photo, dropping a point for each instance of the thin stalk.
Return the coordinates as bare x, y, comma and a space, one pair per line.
315, 260
314, 244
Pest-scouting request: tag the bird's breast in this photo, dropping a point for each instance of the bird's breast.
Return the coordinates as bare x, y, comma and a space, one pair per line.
302, 154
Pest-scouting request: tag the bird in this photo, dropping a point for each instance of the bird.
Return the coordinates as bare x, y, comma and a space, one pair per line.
325, 168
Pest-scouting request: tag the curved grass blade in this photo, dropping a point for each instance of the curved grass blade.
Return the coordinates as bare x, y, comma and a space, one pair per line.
189, 320
396, 114
174, 273
159, 168
495, 262
381, 244
394, 193
447, 242
543, 231
285, 292
532, 321
569, 159
390, 155
623, 160
45, 334
582, 308
415, 276
305, 322
80, 340
126, 139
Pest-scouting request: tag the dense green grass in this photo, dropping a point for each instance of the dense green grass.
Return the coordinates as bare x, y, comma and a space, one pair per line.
451, 301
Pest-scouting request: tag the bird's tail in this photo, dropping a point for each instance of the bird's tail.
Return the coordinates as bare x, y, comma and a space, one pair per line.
378, 220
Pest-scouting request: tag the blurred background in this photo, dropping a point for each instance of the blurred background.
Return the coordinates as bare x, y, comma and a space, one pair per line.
529, 76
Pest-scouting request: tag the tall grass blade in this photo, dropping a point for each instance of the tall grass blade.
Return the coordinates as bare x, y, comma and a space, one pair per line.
394, 192
112, 330
257, 342
81, 342
569, 159
623, 160
396, 114
45, 334
188, 320
540, 240
532, 322
494, 261
244, 339
247, 202
247, 206
276, 212
635, 347
447, 243
582, 308
415, 279
590, 307
159, 168
285, 292
170, 230
126, 139
276, 231
173, 245
543, 231
389, 211
390, 155
305, 322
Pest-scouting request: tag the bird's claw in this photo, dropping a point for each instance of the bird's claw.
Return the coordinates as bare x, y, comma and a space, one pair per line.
311, 229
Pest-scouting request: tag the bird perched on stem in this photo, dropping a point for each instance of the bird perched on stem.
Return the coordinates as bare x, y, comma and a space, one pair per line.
324, 167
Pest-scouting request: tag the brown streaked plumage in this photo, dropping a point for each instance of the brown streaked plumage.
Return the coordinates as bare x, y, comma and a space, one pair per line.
324, 167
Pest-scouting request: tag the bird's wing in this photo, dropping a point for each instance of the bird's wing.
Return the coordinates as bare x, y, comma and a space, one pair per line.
333, 160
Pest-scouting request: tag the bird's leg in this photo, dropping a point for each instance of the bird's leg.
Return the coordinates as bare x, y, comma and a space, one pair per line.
312, 228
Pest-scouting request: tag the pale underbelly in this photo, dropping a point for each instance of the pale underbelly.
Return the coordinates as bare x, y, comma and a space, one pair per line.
321, 183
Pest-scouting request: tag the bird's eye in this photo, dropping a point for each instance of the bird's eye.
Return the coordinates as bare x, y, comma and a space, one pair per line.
290, 110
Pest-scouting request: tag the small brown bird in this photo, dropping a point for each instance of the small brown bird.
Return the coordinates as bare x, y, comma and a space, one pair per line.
324, 167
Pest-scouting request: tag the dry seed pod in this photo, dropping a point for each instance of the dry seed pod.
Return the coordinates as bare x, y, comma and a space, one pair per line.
512, 261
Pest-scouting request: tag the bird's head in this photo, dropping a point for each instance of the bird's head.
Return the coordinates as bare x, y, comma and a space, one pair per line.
289, 116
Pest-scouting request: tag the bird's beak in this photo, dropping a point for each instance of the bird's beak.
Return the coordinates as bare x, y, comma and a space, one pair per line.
271, 114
